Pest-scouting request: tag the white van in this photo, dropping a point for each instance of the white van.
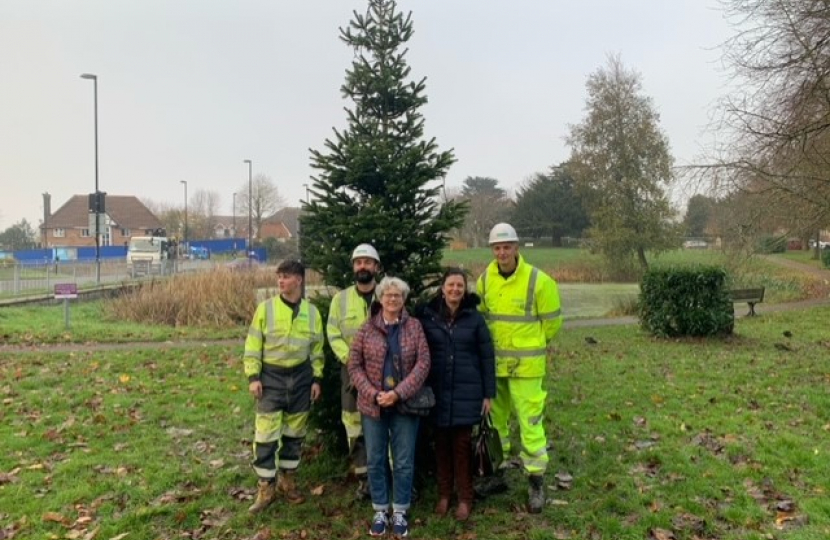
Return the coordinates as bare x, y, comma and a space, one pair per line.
147, 255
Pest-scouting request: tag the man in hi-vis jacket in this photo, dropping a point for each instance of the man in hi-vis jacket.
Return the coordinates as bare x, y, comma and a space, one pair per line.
521, 306
284, 365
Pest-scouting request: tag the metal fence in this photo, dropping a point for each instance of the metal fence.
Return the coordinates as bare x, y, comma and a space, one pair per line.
40, 278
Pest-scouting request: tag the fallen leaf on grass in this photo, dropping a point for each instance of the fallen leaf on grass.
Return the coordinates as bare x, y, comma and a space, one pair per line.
9, 477
661, 534
178, 432
120, 536
54, 517
217, 463
124, 379
689, 522
318, 490
564, 480
262, 534
242, 494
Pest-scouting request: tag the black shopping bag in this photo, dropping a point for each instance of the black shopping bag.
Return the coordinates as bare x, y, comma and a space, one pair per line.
487, 450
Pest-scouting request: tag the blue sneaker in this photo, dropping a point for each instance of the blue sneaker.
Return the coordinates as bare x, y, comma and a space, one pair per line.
379, 523
399, 525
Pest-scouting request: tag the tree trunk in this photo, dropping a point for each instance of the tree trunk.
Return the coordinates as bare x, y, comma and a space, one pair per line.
641, 256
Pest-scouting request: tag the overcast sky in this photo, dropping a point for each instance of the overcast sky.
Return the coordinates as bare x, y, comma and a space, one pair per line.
188, 89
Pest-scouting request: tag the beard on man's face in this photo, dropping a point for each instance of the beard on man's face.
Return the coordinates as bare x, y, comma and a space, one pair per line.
364, 276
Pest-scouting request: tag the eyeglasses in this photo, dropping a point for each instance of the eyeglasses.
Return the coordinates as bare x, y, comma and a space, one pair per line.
392, 296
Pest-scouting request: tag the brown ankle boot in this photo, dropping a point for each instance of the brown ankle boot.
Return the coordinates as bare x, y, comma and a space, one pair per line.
443, 506
266, 494
288, 488
463, 510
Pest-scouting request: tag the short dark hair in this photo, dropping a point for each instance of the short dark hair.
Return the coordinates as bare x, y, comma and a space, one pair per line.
292, 267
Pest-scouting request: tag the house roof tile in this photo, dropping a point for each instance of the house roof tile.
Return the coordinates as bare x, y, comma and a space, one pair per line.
125, 210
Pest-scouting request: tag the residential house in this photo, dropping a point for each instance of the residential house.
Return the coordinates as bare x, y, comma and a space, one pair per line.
126, 216
228, 227
283, 225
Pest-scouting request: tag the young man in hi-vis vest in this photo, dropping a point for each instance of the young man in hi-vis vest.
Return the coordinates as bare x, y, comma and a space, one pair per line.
284, 365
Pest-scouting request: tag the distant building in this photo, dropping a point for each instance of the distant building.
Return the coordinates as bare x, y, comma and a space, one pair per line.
125, 217
283, 225
228, 227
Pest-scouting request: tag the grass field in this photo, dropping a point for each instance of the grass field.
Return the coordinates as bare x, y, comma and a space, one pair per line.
686, 439
578, 266
45, 324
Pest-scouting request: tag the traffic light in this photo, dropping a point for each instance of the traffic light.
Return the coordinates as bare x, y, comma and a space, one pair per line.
98, 202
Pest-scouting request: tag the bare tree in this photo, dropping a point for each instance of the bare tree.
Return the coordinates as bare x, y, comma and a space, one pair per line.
203, 209
170, 215
778, 117
265, 201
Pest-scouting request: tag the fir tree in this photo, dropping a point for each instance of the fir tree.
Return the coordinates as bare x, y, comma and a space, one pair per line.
379, 180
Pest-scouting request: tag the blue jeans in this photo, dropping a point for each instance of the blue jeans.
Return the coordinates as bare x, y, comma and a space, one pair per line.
398, 431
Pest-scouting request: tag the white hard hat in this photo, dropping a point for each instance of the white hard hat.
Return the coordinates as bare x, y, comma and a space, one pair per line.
365, 250
503, 232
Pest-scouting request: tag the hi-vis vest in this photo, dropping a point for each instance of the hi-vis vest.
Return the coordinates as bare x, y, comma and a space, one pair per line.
274, 339
523, 315
347, 314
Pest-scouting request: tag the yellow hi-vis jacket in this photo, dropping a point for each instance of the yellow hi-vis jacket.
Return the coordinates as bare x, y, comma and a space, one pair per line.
274, 339
347, 313
523, 315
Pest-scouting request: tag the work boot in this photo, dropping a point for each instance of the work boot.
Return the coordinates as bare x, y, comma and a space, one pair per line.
536, 493
265, 495
288, 488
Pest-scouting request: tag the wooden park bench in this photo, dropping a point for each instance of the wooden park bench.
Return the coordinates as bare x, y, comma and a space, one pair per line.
750, 296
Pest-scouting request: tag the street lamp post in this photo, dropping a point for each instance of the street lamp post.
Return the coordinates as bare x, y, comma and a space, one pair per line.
94, 79
307, 199
250, 204
187, 251
233, 209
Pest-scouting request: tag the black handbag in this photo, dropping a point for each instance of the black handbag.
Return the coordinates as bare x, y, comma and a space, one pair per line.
487, 451
418, 405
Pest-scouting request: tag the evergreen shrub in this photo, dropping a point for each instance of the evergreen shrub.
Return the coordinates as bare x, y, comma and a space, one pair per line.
825, 257
325, 413
686, 302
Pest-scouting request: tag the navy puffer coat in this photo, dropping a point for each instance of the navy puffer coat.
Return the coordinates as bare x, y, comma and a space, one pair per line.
463, 370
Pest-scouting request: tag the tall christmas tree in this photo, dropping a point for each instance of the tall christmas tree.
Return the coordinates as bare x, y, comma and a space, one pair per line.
379, 180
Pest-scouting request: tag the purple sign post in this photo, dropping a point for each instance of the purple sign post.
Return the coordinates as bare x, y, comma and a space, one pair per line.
66, 291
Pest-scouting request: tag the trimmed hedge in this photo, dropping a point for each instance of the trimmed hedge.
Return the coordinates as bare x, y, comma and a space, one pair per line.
825, 257
686, 302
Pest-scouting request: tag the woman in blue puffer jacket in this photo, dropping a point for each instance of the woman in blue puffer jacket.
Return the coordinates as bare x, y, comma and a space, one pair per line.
463, 377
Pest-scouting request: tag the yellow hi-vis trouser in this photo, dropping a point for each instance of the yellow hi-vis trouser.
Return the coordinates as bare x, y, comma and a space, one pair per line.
278, 431
523, 398
281, 421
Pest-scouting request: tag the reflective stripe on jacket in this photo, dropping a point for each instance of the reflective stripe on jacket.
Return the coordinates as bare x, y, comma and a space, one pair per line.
274, 339
347, 313
523, 314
